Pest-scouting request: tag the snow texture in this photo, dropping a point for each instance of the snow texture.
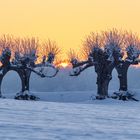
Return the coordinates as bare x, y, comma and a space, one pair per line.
69, 113
108, 120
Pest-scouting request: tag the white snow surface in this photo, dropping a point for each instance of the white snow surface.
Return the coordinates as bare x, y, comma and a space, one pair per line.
66, 110
97, 120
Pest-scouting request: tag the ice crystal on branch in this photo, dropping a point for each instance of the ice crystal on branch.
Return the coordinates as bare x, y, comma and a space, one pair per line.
50, 50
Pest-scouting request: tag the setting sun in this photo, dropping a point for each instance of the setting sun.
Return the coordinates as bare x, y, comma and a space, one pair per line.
63, 64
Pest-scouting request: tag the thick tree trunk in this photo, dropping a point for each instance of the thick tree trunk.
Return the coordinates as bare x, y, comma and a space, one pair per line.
99, 85
108, 78
104, 75
123, 80
4, 70
122, 75
105, 87
123, 93
26, 82
1, 77
26, 79
102, 86
22, 81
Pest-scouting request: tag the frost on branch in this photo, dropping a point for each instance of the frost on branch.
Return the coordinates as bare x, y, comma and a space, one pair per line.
73, 57
5, 57
132, 47
24, 60
5, 49
113, 44
50, 52
25, 50
105, 51
76, 64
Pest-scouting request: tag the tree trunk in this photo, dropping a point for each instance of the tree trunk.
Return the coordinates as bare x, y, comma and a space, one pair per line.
106, 85
99, 85
123, 80
122, 75
4, 71
26, 79
1, 77
104, 75
102, 86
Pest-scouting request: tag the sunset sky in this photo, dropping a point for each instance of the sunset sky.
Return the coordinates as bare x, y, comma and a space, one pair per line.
67, 21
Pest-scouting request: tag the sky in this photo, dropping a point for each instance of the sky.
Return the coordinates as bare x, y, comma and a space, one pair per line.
67, 21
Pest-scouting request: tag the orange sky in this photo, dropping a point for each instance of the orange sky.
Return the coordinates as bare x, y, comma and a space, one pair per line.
67, 21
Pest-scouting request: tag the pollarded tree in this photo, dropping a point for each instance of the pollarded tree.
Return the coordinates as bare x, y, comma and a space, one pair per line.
99, 57
25, 50
6, 43
106, 52
26, 56
24, 62
113, 44
131, 51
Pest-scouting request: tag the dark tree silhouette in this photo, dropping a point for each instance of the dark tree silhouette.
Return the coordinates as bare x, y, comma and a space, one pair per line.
24, 61
106, 51
131, 51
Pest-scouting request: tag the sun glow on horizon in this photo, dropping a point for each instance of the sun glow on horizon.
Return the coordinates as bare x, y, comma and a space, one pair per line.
63, 64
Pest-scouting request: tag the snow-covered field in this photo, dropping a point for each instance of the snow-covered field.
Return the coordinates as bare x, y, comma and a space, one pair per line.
99, 120
66, 111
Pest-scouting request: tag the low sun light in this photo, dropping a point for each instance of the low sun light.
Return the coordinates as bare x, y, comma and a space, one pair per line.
64, 64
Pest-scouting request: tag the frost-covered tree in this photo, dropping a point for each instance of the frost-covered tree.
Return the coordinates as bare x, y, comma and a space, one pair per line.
21, 56
100, 57
25, 56
106, 51
129, 56
6, 43
113, 45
